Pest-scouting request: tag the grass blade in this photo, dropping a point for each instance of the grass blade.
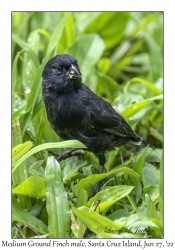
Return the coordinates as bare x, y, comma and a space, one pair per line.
57, 33
59, 219
139, 164
136, 107
20, 215
64, 144
34, 186
95, 222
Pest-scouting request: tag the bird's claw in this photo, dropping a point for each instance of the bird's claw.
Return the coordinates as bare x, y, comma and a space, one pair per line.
67, 154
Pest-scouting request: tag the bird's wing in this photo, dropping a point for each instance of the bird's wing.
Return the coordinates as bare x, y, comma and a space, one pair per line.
101, 116
113, 124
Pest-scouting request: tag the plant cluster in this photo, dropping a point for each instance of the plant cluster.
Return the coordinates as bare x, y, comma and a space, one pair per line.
120, 57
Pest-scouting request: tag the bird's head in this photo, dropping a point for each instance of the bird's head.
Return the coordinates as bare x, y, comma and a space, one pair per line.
62, 74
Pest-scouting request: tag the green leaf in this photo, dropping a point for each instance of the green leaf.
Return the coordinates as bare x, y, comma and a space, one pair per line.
88, 54
82, 198
15, 71
74, 225
148, 84
17, 114
139, 164
90, 180
30, 60
110, 196
120, 235
104, 65
27, 47
19, 150
36, 84
150, 175
154, 155
95, 222
44, 33
81, 194
34, 186
107, 25
132, 203
57, 33
20, 215
68, 35
22, 172
37, 208
106, 86
44, 130
140, 225
64, 144
159, 232
151, 209
161, 209
19, 41
155, 51
161, 189
156, 134
56, 201
136, 107
70, 167
33, 96
126, 99
153, 191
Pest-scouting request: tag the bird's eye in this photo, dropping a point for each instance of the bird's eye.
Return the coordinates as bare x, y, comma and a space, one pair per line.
59, 68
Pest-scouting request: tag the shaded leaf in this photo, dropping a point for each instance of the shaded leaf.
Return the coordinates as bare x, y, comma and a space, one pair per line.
20, 215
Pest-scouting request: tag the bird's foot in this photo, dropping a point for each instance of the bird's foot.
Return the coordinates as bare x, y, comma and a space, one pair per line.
98, 188
100, 183
66, 154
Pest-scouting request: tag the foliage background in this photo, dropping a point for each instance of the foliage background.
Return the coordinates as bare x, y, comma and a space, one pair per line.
120, 57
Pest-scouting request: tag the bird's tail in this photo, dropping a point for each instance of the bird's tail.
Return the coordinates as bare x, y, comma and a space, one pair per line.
147, 144
138, 140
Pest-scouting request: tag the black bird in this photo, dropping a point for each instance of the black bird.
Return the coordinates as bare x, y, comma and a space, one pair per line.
75, 112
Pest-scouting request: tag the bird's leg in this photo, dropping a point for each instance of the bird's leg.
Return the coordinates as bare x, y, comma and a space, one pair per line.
102, 163
66, 154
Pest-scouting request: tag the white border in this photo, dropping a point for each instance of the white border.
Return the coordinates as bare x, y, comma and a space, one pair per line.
5, 92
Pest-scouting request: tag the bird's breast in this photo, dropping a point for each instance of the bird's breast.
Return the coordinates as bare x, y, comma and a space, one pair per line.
65, 111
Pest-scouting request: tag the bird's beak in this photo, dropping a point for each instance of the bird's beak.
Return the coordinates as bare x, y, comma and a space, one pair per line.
74, 73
